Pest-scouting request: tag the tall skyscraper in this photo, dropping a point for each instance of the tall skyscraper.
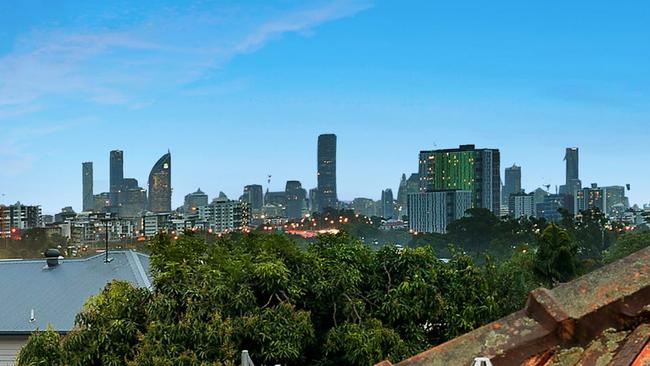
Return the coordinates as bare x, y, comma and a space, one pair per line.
254, 195
132, 198
571, 158
296, 197
465, 168
402, 190
160, 185
116, 175
327, 171
88, 201
402, 198
387, 204
573, 183
313, 200
513, 183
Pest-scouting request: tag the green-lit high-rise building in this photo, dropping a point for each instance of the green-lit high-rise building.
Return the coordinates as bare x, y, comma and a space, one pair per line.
465, 168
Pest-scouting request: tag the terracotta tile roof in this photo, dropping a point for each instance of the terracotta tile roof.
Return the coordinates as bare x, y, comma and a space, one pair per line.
602, 318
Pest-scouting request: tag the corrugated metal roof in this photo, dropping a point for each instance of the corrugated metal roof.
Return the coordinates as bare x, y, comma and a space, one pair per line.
56, 295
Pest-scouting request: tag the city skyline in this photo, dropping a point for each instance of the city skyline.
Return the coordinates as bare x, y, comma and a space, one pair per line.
73, 88
324, 182
178, 197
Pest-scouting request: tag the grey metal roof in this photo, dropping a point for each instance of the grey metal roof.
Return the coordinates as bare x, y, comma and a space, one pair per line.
56, 295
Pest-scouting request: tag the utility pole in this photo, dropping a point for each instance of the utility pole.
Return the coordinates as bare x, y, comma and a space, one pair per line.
106, 249
2, 225
2, 221
108, 218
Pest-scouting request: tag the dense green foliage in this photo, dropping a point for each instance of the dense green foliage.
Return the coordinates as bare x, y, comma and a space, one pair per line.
337, 302
333, 301
44, 348
627, 244
556, 258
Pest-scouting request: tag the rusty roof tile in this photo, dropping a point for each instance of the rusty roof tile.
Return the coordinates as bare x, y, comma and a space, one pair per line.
633, 346
644, 357
602, 350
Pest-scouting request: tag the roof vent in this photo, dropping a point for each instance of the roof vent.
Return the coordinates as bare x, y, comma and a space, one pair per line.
52, 256
482, 361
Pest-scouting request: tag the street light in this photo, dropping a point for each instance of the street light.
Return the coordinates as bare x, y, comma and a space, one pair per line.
108, 218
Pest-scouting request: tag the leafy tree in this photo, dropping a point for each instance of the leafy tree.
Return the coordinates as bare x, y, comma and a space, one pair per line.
335, 302
556, 259
469, 301
439, 242
109, 327
513, 279
43, 349
358, 344
627, 244
405, 291
591, 233
279, 334
475, 231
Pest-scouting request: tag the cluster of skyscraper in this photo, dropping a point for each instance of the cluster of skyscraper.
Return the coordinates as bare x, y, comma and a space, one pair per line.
145, 213
125, 197
447, 184
571, 196
295, 202
453, 180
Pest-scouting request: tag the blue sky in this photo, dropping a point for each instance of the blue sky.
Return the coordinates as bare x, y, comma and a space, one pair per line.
239, 90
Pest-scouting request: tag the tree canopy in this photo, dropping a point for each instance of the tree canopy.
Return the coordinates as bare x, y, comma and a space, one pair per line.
330, 301
336, 302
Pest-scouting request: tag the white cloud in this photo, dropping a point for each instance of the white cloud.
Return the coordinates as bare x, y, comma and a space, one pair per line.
164, 51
